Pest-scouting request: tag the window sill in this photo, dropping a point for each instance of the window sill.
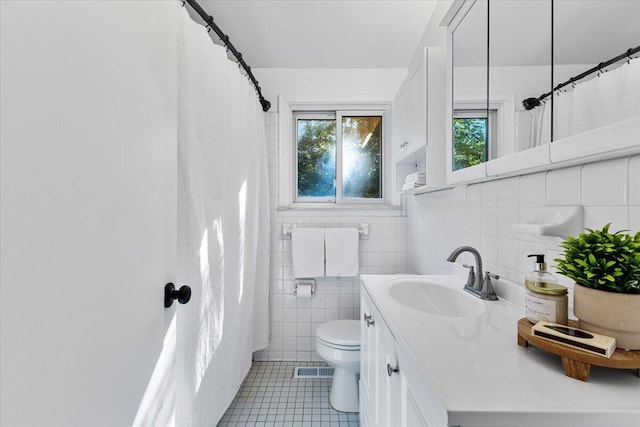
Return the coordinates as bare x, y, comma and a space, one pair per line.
339, 210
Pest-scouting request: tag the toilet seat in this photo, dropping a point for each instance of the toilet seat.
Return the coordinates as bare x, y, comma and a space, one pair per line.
339, 347
340, 334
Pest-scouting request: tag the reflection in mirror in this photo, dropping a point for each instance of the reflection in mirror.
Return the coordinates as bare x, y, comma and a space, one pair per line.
608, 28
519, 67
533, 47
473, 135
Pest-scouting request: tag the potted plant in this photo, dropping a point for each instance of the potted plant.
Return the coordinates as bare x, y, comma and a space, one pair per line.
606, 268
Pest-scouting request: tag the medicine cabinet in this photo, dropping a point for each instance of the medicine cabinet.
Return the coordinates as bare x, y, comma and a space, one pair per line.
502, 52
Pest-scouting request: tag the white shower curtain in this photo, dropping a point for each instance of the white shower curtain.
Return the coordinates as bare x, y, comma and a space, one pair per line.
602, 100
223, 227
540, 132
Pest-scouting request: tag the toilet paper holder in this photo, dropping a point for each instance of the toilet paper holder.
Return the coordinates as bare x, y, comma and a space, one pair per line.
311, 282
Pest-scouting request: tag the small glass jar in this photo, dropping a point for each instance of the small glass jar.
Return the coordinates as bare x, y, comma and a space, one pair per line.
547, 301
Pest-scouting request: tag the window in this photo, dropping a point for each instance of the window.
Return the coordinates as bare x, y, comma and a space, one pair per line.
474, 137
326, 158
339, 156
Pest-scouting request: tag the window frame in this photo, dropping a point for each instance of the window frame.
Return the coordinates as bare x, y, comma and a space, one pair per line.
310, 115
287, 149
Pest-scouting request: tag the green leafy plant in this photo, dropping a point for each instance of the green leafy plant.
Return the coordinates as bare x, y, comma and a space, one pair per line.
602, 260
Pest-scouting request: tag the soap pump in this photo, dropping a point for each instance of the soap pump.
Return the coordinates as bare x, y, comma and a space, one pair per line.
545, 299
539, 275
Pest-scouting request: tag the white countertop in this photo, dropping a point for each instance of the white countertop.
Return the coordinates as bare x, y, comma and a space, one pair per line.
482, 377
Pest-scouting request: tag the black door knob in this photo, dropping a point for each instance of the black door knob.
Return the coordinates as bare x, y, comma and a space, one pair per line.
183, 295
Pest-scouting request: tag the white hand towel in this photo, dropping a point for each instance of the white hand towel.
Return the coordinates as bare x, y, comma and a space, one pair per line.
307, 248
342, 252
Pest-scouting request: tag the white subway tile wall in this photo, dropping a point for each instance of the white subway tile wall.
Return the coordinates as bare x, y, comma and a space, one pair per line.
606, 184
294, 321
634, 181
609, 191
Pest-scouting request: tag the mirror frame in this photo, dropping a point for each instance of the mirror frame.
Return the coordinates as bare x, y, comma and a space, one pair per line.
611, 141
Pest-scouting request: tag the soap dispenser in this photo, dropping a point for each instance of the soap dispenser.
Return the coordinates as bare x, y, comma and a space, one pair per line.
539, 273
545, 299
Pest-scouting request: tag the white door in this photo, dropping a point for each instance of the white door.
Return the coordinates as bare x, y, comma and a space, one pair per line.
88, 215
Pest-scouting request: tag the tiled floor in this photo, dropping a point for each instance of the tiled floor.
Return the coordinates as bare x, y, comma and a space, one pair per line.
270, 396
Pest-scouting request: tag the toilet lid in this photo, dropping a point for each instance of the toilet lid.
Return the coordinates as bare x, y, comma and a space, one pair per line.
341, 332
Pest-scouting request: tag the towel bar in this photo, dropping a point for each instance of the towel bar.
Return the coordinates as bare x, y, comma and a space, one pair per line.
363, 229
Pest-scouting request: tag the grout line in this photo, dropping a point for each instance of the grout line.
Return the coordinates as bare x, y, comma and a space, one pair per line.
270, 396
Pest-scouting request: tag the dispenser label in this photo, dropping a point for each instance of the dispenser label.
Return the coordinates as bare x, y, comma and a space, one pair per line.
540, 309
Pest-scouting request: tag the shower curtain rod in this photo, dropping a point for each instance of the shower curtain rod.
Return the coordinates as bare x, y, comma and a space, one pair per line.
531, 103
208, 19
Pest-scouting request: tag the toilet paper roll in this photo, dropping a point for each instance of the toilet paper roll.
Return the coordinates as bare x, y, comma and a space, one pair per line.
303, 290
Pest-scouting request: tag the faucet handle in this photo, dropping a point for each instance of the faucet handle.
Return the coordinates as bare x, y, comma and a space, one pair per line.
472, 275
487, 288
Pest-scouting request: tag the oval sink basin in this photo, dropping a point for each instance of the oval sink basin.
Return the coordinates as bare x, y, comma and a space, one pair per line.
430, 297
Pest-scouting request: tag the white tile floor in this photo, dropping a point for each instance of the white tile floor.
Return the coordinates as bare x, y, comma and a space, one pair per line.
270, 396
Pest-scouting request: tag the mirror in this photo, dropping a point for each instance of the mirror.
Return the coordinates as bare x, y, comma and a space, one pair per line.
607, 28
519, 68
471, 145
529, 47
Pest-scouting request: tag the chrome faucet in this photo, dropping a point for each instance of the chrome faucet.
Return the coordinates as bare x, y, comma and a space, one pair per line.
477, 284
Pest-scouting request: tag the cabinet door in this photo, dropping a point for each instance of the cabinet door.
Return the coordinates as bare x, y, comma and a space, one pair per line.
417, 85
387, 382
401, 122
368, 341
409, 413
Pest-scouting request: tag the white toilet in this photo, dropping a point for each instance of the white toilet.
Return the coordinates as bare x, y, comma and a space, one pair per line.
338, 342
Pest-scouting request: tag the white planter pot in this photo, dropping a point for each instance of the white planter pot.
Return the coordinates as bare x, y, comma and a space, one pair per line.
609, 313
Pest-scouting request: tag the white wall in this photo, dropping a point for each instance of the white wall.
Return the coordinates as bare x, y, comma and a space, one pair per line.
382, 83
293, 321
481, 215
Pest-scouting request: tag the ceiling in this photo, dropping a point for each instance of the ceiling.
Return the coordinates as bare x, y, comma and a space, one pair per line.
322, 33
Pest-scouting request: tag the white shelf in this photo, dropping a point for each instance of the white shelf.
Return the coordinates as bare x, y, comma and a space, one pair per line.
424, 189
556, 221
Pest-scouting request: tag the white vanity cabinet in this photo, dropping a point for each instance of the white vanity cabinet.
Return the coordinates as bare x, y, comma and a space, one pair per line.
469, 371
386, 399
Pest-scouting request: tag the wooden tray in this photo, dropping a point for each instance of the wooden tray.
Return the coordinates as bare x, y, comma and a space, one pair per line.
577, 363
